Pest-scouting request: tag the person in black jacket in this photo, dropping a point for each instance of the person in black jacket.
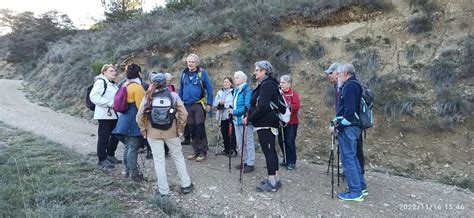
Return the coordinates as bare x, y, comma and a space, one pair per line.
265, 121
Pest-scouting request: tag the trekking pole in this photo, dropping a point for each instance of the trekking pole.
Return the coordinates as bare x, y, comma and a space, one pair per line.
331, 157
219, 127
338, 165
331, 151
283, 140
244, 140
230, 140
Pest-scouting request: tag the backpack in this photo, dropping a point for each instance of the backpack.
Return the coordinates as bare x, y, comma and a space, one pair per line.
120, 99
282, 107
365, 116
89, 103
161, 110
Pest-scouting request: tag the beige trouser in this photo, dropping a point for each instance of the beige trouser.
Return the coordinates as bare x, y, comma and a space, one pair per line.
158, 149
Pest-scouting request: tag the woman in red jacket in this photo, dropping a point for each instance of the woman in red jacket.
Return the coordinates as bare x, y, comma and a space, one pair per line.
290, 130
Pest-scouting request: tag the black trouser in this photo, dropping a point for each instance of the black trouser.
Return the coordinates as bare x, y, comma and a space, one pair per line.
267, 143
106, 142
360, 153
187, 133
229, 142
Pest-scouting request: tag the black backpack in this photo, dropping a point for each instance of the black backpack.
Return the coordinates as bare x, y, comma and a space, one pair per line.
89, 103
162, 110
366, 116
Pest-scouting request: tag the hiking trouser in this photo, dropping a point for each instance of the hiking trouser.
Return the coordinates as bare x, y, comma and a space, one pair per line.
176, 154
186, 134
130, 153
106, 142
195, 123
289, 132
360, 153
347, 139
249, 153
267, 143
229, 141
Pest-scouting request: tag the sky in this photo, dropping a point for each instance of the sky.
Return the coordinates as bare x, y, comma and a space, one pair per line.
81, 12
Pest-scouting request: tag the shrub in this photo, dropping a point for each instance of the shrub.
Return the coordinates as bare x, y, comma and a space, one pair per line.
442, 73
96, 66
316, 50
411, 53
449, 103
359, 44
419, 23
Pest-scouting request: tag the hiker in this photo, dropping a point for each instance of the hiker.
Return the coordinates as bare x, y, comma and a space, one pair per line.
241, 103
105, 115
127, 130
195, 89
332, 76
291, 128
169, 79
149, 153
223, 101
157, 137
265, 121
348, 132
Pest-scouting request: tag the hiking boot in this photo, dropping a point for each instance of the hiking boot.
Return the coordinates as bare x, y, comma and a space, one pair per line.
233, 153
351, 196
248, 169
114, 160
186, 142
365, 192
283, 164
193, 157
266, 187
278, 183
137, 177
106, 164
187, 190
149, 155
290, 167
201, 157
240, 166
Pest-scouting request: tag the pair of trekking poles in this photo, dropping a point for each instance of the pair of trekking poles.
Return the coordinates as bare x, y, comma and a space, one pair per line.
230, 134
331, 164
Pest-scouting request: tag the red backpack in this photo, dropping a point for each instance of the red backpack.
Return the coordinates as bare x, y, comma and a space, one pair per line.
120, 99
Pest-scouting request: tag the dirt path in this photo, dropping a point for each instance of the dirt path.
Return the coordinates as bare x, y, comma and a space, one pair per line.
305, 191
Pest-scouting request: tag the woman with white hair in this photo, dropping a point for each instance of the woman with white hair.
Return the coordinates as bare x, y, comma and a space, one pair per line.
288, 132
243, 92
265, 121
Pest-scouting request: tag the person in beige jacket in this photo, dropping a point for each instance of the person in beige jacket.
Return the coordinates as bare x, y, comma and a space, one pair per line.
157, 138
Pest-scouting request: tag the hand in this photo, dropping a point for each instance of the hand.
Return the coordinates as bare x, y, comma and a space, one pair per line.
221, 101
331, 130
230, 111
208, 108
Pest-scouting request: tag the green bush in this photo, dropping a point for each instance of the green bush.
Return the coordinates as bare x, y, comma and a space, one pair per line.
316, 50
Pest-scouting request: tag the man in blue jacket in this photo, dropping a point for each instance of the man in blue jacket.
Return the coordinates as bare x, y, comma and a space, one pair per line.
349, 131
195, 90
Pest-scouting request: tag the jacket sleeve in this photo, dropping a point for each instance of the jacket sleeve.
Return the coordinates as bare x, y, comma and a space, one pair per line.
181, 87
207, 82
96, 95
182, 115
142, 119
263, 105
350, 101
218, 97
295, 103
241, 110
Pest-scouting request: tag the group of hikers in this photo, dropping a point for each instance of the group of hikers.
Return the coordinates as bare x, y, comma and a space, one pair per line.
158, 115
